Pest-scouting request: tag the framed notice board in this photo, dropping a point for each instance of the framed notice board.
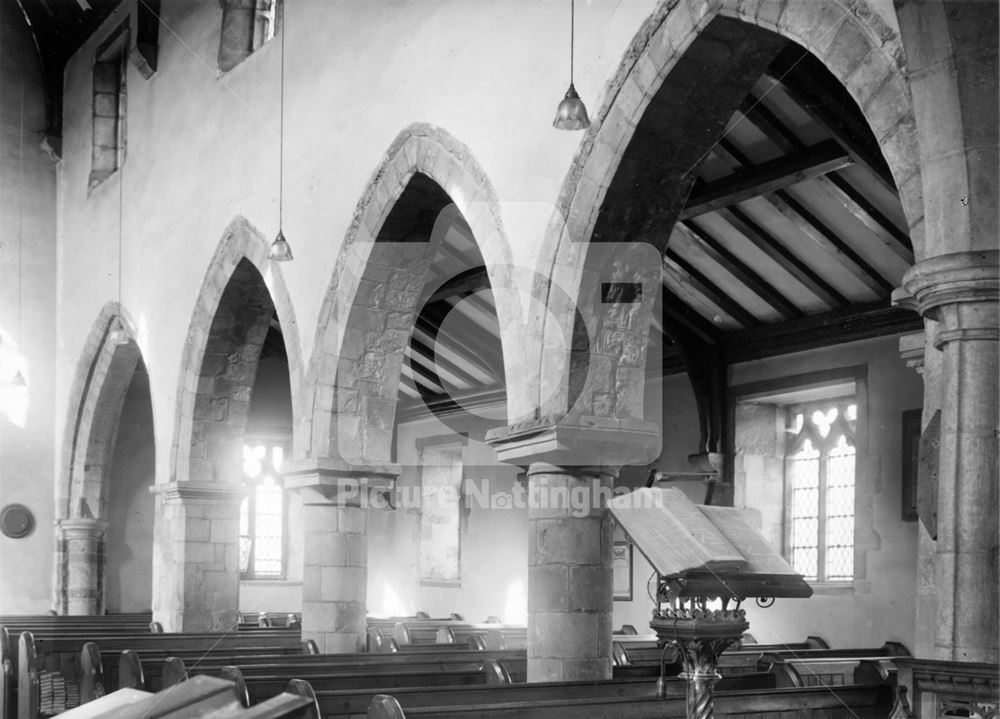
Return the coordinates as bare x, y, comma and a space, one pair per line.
622, 564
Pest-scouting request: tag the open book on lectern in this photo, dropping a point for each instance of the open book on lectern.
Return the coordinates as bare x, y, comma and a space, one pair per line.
681, 539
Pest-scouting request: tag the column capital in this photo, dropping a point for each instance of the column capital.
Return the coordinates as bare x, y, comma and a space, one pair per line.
577, 442
82, 528
960, 290
332, 480
200, 492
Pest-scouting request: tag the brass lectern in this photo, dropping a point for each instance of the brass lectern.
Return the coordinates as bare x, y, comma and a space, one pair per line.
702, 555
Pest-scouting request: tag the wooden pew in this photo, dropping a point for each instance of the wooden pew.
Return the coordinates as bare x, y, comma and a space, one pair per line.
355, 702
153, 673
862, 702
484, 636
75, 671
832, 671
260, 683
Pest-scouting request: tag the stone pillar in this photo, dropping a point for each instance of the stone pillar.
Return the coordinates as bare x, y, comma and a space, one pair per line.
569, 573
83, 548
570, 537
961, 291
335, 502
196, 559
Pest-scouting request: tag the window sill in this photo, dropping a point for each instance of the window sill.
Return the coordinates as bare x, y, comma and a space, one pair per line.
272, 582
832, 588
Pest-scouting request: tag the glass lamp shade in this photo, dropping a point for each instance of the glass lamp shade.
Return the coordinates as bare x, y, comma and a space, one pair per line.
280, 250
572, 113
19, 380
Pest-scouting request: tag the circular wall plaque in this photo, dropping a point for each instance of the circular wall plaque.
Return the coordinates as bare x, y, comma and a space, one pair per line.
16, 521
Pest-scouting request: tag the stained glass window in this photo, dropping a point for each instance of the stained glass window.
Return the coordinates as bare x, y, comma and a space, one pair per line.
262, 513
820, 478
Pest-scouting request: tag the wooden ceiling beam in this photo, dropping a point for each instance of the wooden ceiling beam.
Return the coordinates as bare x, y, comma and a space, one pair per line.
710, 291
784, 257
821, 330
855, 202
813, 228
745, 184
870, 216
828, 111
732, 264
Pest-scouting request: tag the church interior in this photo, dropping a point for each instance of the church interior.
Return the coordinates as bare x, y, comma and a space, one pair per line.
383, 357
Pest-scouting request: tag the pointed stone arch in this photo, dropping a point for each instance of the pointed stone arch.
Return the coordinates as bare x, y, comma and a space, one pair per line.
242, 249
850, 38
103, 375
421, 155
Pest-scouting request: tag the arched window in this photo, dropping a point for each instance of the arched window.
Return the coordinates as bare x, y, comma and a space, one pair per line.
819, 474
264, 512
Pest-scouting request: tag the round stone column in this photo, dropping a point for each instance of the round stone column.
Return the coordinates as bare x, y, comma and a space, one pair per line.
335, 504
83, 545
961, 291
569, 573
572, 468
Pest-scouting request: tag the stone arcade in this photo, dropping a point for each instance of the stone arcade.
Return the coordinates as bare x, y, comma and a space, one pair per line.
768, 271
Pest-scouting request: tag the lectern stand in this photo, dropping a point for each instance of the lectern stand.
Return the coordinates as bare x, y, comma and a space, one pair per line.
704, 556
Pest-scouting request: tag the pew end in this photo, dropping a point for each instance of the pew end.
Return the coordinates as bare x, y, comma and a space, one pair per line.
476, 642
234, 675
444, 635
28, 687
155, 628
384, 706
816, 643
496, 672
309, 646
91, 673
174, 672
130, 672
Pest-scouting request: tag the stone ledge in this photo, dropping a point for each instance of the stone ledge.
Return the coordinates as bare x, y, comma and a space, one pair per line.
578, 442
200, 492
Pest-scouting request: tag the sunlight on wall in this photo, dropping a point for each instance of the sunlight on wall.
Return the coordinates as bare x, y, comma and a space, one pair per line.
516, 609
392, 605
13, 391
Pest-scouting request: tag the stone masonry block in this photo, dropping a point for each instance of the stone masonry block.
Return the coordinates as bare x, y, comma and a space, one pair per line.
574, 540
198, 530
563, 635
343, 583
590, 588
549, 588
225, 530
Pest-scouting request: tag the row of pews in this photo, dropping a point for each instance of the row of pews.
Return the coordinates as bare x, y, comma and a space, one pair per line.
123, 670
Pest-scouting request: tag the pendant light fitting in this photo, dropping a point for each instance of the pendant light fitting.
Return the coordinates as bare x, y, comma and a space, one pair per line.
571, 113
280, 250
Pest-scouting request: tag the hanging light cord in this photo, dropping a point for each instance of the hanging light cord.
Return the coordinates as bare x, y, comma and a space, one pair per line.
20, 216
281, 125
572, 32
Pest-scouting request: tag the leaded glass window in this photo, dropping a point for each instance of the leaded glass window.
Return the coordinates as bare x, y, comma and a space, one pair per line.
263, 512
820, 482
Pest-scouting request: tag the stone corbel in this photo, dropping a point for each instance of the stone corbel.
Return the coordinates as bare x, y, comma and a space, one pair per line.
583, 441
334, 481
